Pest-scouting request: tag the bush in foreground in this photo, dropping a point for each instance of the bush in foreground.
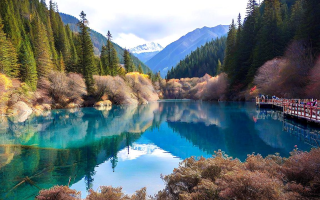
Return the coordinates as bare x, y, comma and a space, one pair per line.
222, 177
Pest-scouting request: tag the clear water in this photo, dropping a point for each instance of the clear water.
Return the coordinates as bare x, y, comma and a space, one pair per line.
131, 146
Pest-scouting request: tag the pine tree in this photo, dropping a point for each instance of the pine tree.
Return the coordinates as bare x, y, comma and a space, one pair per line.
104, 57
8, 56
41, 48
54, 54
87, 55
128, 64
115, 68
61, 63
11, 26
230, 59
140, 69
28, 70
109, 56
72, 62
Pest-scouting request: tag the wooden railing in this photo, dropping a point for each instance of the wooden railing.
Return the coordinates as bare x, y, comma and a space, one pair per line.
294, 107
302, 110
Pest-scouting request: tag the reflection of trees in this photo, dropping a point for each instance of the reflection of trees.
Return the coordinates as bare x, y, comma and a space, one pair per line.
72, 143
55, 166
77, 128
209, 139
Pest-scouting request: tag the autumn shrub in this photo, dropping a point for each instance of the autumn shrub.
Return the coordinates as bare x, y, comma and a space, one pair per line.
314, 84
222, 177
244, 184
61, 89
304, 168
59, 193
294, 75
142, 86
268, 77
110, 193
216, 88
204, 88
116, 88
133, 88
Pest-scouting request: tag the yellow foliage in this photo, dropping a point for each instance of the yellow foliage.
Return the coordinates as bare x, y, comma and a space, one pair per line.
137, 73
5, 82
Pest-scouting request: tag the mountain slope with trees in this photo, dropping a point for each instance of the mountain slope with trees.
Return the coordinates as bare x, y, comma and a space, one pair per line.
287, 30
99, 41
178, 50
204, 60
44, 64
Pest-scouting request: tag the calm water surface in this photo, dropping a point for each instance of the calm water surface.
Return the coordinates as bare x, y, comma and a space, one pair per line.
130, 146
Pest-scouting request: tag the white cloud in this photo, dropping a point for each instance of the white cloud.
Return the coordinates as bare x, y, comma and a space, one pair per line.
135, 22
128, 40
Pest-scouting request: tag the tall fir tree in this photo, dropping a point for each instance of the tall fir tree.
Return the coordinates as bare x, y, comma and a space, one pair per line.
10, 21
128, 64
140, 70
41, 48
87, 55
109, 58
28, 68
8, 56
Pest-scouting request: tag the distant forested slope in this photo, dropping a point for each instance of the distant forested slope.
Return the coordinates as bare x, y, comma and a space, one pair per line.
204, 60
100, 40
171, 55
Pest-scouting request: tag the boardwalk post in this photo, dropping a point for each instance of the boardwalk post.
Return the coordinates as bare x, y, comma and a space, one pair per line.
311, 112
304, 109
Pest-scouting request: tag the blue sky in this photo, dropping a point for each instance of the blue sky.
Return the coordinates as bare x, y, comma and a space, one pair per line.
136, 22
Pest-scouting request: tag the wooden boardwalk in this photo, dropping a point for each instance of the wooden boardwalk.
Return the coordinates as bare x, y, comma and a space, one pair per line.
296, 108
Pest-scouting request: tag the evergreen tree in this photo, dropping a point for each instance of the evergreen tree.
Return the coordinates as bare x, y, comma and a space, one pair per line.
41, 48
61, 66
104, 57
86, 53
140, 69
114, 64
128, 64
11, 25
72, 61
109, 56
8, 56
28, 69
230, 58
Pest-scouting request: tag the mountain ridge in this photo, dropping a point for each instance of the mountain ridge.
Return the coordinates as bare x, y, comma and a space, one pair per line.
148, 47
179, 49
99, 40
146, 51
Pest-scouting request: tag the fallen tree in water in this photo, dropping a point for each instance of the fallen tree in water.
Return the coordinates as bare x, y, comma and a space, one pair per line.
222, 177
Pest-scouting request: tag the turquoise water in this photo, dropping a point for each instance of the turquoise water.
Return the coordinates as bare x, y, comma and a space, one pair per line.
131, 146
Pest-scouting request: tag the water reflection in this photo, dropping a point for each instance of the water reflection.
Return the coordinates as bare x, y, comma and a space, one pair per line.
131, 146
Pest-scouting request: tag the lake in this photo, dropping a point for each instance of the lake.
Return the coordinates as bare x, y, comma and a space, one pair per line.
131, 146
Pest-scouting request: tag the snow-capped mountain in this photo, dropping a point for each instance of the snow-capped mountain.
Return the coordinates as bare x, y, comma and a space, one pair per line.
171, 55
146, 51
150, 47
